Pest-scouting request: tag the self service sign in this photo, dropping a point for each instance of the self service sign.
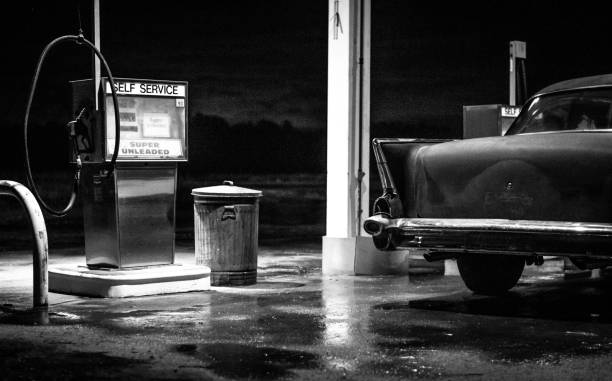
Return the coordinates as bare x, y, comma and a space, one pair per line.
153, 120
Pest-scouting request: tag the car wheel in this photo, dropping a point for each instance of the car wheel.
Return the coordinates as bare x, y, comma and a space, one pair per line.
490, 274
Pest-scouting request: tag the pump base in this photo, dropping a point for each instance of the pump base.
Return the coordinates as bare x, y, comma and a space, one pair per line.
166, 279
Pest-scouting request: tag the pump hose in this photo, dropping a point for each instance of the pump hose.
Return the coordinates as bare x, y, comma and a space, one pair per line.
111, 165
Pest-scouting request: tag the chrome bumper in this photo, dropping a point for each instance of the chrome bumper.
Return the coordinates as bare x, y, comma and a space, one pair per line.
525, 237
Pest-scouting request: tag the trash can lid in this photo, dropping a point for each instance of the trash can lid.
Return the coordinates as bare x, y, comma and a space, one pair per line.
228, 189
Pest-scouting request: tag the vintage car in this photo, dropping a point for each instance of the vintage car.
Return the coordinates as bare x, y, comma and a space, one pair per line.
498, 203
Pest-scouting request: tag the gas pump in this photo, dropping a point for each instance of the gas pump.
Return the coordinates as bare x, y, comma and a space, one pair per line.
495, 119
129, 218
125, 153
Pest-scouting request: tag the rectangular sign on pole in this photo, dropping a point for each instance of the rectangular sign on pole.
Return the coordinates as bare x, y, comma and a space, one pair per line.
149, 89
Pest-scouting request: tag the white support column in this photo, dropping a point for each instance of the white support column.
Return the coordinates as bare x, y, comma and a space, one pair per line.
346, 247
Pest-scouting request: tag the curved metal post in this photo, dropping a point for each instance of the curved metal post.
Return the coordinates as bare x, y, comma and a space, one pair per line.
39, 231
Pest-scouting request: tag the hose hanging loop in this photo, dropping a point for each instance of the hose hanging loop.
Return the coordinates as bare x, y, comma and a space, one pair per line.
110, 166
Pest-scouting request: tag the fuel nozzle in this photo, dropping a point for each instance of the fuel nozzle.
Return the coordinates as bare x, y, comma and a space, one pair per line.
72, 135
71, 126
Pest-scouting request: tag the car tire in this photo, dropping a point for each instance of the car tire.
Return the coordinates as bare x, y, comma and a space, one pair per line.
489, 274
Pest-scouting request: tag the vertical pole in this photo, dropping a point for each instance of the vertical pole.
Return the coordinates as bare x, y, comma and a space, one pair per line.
346, 248
342, 129
518, 50
96, 38
363, 116
512, 78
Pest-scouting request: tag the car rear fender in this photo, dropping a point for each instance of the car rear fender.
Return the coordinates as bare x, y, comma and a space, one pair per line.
395, 161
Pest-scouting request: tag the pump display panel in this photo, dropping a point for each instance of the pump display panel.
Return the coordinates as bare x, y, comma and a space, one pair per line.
153, 120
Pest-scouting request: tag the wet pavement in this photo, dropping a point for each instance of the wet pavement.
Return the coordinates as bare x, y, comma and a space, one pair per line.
297, 324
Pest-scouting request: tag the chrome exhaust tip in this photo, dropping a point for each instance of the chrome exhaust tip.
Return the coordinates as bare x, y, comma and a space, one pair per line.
375, 225
373, 228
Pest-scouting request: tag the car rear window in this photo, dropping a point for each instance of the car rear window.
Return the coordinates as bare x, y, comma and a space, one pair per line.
573, 110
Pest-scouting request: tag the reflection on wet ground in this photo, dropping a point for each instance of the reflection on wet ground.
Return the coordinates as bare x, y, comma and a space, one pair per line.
575, 300
528, 341
297, 324
243, 361
25, 360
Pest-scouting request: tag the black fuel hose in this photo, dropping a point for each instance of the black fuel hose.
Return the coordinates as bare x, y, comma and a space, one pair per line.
110, 166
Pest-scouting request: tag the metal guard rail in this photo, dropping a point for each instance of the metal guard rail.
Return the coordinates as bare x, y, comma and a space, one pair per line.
39, 232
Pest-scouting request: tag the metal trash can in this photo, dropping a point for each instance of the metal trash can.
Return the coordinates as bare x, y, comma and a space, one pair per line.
226, 225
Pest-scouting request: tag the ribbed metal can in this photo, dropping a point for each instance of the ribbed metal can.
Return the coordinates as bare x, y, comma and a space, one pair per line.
226, 227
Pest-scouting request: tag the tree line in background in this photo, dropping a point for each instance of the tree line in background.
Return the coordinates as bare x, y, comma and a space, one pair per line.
262, 147
216, 146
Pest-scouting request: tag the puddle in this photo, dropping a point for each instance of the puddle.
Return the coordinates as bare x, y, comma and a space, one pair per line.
579, 300
541, 323
258, 287
408, 332
23, 360
249, 362
405, 367
11, 315
272, 271
290, 328
64, 315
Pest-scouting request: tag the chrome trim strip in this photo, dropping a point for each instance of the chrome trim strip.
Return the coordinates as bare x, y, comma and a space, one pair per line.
496, 236
498, 225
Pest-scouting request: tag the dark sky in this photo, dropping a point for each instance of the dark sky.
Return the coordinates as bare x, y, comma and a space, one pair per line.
252, 60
